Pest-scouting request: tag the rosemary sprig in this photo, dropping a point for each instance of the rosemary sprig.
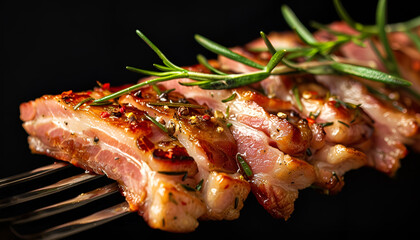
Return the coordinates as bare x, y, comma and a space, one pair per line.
318, 58
221, 50
370, 74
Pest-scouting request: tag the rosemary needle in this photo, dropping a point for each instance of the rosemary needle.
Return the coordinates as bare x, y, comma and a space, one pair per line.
245, 167
82, 102
158, 124
230, 98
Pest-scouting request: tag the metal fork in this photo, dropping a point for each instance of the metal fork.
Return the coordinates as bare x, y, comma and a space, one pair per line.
39, 213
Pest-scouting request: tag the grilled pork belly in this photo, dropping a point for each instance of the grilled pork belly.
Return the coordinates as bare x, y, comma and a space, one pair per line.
277, 176
393, 128
183, 153
266, 142
157, 175
381, 138
331, 120
207, 140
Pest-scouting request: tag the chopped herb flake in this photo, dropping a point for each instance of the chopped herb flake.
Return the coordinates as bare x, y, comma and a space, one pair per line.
199, 185
245, 167
345, 124
296, 94
326, 124
230, 98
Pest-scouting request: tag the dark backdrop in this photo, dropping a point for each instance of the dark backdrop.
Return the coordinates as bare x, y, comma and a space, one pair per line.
53, 46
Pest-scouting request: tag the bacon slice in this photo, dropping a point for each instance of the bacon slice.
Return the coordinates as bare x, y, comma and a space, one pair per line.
266, 141
245, 108
174, 153
347, 124
392, 127
277, 176
331, 162
157, 175
207, 140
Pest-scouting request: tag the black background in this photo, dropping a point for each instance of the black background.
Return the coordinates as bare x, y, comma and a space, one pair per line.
54, 46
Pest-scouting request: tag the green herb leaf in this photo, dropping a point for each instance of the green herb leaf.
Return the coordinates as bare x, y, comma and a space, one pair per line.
203, 61
164, 59
370, 74
230, 98
147, 72
194, 83
158, 124
219, 49
267, 42
308, 152
296, 94
274, 60
139, 85
345, 124
188, 188
162, 67
156, 89
297, 26
234, 81
244, 165
310, 67
199, 185
326, 124
82, 102
346, 17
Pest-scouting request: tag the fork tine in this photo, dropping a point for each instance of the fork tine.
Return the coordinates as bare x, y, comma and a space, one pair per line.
33, 174
81, 224
48, 190
78, 201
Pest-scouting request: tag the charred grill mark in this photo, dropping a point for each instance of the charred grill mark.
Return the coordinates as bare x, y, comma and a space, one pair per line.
172, 154
144, 144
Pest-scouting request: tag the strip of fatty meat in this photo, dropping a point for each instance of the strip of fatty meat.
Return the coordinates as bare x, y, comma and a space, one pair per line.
393, 128
341, 123
157, 175
263, 141
207, 139
382, 126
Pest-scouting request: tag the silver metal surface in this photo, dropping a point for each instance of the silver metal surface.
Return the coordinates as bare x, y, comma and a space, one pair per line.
22, 223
